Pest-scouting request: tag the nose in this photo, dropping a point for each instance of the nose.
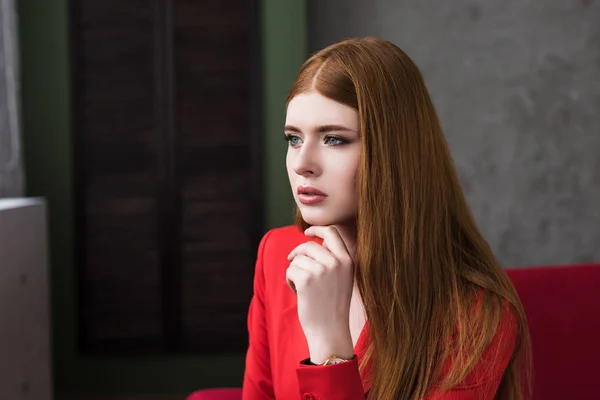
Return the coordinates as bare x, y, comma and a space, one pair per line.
306, 161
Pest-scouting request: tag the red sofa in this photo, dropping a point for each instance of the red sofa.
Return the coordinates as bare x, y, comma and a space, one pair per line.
562, 304
563, 311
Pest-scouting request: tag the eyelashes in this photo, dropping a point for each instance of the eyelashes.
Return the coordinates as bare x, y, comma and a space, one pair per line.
329, 140
338, 140
290, 139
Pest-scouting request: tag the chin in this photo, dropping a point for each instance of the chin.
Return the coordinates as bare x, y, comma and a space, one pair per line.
317, 217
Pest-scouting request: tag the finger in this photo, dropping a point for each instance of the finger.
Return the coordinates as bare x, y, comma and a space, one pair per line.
316, 252
308, 264
331, 239
296, 277
309, 269
292, 285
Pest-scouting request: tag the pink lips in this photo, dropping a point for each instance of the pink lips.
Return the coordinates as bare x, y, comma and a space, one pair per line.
309, 195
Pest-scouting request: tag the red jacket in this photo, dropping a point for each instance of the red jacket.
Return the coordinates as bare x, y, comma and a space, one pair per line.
277, 344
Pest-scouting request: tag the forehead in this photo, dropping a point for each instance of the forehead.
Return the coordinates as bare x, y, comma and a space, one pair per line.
314, 109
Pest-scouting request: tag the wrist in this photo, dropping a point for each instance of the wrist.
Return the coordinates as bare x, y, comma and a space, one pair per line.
324, 346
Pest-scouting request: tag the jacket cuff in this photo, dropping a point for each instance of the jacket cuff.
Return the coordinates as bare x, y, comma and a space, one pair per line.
338, 381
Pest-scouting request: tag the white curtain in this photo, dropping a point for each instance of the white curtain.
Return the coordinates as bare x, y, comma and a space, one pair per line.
11, 165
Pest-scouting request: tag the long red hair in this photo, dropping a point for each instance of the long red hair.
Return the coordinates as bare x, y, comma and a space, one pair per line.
421, 261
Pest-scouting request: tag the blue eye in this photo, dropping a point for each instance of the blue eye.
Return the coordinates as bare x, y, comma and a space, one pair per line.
334, 141
293, 140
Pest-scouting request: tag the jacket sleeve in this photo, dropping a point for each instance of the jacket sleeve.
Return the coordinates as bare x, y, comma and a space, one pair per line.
258, 382
338, 381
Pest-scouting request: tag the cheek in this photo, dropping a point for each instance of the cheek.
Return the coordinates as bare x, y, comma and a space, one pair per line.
289, 162
346, 173
350, 176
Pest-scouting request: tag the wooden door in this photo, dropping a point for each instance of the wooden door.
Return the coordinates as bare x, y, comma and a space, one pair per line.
166, 142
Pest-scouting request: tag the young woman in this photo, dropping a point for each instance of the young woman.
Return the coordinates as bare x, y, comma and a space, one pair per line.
385, 288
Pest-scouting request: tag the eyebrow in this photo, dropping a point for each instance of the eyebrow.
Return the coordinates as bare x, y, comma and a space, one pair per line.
320, 129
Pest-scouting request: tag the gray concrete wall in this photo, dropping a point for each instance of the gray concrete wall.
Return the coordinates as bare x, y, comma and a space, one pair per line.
517, 87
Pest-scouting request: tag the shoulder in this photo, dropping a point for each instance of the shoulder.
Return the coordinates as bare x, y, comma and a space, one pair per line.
282, 236
493, 358
505, 334
277, 243
498, 352
279, 240
272, 263
502, 343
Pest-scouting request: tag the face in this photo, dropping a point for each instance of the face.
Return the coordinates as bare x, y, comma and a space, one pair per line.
322, 158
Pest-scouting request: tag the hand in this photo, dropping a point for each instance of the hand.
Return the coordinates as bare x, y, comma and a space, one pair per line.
323, 277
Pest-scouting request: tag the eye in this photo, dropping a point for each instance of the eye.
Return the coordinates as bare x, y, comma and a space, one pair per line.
334, 140
293, 140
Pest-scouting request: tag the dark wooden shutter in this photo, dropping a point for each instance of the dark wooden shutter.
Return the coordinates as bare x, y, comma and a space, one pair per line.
168, 187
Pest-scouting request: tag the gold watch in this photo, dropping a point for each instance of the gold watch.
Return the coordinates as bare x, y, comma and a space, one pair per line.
333, 360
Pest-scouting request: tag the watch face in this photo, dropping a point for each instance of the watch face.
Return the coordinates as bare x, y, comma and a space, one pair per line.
333, 361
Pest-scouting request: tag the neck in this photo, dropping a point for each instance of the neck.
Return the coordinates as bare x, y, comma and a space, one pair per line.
348, 234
